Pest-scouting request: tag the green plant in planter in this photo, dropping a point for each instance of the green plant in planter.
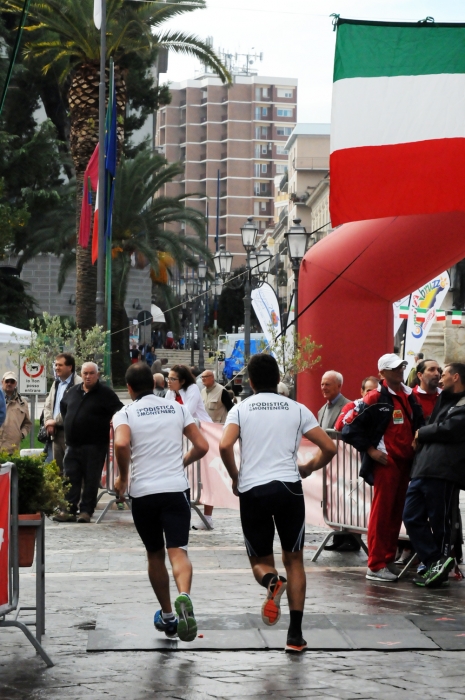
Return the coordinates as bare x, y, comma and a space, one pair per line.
40, 486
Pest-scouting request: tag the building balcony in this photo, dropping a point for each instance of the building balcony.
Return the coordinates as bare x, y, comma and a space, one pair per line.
307, 163
299, 198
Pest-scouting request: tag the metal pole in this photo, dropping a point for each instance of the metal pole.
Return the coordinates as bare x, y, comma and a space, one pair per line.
247, 306
296, 313
33, 417
193, 333
100, 297
201, 322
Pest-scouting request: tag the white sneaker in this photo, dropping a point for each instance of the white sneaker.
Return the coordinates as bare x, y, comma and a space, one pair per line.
381, 575
201, 525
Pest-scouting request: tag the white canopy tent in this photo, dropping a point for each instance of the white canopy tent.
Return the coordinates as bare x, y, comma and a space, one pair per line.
11, 340
10, 334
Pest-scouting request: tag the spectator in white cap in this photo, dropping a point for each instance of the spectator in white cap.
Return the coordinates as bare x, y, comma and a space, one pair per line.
17, 423
382, 427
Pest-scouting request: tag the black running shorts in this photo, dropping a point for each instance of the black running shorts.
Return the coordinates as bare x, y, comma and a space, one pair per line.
159, 514
279, 504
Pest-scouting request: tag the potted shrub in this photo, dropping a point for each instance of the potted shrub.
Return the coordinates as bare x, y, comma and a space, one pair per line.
40, 490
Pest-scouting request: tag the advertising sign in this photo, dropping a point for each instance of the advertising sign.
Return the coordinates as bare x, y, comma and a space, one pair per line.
4, 536
32, 379
422, 312
266, 307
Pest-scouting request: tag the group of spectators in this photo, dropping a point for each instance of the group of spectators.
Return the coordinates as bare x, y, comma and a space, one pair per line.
412, 442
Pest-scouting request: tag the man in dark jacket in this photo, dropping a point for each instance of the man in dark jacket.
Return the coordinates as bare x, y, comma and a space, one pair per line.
383, 427
438, 474
87, 410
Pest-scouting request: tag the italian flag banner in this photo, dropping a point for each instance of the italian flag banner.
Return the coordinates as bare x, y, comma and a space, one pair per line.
440, 315
403, 312
456, 318
398, 120
420, 315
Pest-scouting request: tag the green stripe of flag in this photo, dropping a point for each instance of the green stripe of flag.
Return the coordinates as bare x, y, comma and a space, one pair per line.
369, 50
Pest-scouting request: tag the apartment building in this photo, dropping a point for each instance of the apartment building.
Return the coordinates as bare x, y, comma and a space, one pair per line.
232, 141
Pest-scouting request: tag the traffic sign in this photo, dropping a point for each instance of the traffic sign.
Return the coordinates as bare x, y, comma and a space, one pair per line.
32, 379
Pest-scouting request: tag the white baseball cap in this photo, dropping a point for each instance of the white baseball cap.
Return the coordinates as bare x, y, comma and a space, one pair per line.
10, 375
390, 361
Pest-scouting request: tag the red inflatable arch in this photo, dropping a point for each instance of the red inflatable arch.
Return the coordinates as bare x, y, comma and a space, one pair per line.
385, 260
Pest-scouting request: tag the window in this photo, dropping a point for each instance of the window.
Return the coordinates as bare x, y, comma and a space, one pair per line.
262, 224
256, 150
264, 148
256, 209
264, 168
204, 94
284, 112
280, 169
257, 132
265, 92
264, 132
263, 206
256, 169
285, 92
284, 130
256, 188
264, 111
263, 187
258, 112
281, 151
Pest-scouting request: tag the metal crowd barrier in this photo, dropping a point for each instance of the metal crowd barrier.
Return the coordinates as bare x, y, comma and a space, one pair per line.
13, 574
192, 471
347, 498
112, 472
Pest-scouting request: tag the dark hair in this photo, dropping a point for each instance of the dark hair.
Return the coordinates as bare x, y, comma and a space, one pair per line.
69, 360
371, 378
420, 355
184, 374
139, 377
457, 368
264, 372
421, 366
195, 370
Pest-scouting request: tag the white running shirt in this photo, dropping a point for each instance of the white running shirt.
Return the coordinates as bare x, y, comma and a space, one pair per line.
271, 428
157, 427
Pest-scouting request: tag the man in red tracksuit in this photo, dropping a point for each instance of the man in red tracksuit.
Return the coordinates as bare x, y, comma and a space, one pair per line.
382, 427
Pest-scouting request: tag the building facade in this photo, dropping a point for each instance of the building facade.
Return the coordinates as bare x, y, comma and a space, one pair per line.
232, 141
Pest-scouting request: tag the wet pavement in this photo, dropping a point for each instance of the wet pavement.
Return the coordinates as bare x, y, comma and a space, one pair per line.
97, 572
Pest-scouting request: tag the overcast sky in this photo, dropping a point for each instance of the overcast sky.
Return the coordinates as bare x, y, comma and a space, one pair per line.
296, 37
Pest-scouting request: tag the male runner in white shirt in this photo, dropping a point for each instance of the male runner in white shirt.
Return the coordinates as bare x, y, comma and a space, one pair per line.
149, 442
270, 428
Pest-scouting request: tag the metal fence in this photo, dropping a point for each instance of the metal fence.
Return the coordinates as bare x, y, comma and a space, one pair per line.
347, 499
13, 575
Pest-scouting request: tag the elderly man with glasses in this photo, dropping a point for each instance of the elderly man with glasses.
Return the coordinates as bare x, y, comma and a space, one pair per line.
215, 397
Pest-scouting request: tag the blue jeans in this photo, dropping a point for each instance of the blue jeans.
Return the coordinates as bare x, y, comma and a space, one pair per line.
427, 517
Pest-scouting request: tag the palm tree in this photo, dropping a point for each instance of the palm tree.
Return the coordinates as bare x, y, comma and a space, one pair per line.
67, 35
143, 228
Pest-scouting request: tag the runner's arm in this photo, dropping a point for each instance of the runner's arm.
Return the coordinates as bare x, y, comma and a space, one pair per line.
229, 437
323, 456
123, 457
199, 447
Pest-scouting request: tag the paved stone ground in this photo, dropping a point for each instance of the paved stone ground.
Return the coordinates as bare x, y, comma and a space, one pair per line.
93, 568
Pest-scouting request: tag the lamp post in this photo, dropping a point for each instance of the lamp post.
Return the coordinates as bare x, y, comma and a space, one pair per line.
297, 241
249, 236
202, 273
191, 288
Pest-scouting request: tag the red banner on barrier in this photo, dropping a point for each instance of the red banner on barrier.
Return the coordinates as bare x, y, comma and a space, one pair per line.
5, 480
216, 483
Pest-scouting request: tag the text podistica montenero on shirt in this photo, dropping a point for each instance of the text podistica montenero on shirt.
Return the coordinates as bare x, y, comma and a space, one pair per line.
151, 410
269, 406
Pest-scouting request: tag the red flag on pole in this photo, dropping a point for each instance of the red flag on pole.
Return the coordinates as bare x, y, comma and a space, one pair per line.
90, 175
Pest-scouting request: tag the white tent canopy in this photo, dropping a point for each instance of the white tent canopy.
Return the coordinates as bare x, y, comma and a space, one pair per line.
10, 334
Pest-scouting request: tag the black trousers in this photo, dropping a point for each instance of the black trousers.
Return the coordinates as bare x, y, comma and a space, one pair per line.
83, 469
428, 517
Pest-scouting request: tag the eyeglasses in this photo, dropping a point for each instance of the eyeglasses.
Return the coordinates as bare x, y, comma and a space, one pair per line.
205, 376
10, 381
173, 379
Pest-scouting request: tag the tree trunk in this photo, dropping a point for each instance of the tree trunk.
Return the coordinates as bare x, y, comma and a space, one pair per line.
83, 99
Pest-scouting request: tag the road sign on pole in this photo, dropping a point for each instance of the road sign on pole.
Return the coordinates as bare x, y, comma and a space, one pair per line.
32, 379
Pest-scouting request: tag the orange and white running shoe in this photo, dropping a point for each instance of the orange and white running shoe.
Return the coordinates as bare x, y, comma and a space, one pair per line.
271, 611
295, 646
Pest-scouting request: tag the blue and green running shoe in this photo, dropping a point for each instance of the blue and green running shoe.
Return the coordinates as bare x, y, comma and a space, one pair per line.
187, 625
169, 627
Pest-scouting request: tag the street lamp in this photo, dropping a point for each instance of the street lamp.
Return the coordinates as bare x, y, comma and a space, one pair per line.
202, 273
249, 234
263, 257
297, 241
192, 285
223, 262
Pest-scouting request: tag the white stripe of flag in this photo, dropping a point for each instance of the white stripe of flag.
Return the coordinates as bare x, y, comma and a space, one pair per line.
98, 13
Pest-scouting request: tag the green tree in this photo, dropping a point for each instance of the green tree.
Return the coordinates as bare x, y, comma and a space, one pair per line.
67, 36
